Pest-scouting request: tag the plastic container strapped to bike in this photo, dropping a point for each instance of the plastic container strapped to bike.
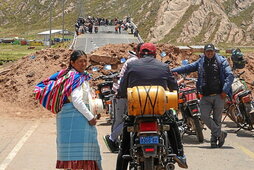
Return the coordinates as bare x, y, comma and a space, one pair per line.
238, 86
150, 100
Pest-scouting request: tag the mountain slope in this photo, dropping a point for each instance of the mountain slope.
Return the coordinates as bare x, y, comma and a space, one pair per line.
174, 21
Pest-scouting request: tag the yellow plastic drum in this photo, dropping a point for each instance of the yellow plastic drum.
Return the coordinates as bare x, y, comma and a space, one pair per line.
150, 100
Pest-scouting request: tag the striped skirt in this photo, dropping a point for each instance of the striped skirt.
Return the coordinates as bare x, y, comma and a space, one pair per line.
77, 144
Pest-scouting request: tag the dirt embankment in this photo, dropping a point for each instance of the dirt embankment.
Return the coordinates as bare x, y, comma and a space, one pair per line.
18, 80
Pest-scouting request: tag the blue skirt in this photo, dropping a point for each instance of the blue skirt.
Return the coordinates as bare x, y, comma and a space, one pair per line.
76, 139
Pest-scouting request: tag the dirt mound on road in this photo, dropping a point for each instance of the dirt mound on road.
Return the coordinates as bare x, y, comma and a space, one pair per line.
18, 80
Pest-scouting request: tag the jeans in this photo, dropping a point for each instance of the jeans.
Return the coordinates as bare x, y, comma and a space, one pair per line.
212, 105
120, 109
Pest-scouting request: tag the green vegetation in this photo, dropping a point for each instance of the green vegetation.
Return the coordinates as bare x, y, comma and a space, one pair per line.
9, 52
176, 31
228, 5
212, 36
206, 28
146, 23
32, 17
244, 18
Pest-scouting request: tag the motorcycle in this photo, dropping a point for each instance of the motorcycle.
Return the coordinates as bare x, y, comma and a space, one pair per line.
146, 123
105, 92
240, 108
190, 110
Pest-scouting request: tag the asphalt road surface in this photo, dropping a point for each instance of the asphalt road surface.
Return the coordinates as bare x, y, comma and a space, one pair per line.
106, 35
28, 144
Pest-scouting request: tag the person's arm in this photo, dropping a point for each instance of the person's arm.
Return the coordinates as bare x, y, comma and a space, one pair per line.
192, 67
123, 69
229, 77
79, 104
172, 83
122, 91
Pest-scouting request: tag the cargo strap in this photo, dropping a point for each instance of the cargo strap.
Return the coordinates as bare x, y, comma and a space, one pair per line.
148, 97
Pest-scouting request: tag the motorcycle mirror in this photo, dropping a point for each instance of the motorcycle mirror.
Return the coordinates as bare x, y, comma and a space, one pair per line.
185, 62
95, 69
107, 67
123, 60
163, 54
167, 62
88, 66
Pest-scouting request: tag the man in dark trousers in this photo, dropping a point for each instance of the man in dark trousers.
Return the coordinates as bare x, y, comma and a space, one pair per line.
214, 84
149, 71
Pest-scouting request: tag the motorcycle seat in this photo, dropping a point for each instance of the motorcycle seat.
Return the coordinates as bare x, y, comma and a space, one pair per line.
244, 93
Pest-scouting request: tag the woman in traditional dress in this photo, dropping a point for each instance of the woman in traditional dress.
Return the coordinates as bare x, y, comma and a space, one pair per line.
77, 144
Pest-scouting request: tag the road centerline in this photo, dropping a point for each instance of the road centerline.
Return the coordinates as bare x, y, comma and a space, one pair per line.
245, 150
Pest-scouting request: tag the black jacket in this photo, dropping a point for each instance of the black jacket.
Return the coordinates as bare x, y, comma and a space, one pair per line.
147, 71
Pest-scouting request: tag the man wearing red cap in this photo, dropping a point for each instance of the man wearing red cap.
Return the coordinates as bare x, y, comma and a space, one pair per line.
149, 71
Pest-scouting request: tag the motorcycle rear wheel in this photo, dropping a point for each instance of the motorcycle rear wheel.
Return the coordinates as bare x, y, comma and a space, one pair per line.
238, 118
149, 164
198, 129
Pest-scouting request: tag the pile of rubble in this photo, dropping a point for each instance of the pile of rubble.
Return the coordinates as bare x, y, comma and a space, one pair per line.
18, 80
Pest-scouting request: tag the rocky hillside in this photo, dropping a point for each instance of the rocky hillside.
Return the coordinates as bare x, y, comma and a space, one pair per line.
175, 21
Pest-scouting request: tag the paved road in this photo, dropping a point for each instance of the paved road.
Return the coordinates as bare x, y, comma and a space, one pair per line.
30, 145
106, 35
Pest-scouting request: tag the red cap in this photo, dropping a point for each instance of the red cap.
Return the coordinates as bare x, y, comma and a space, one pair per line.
148, 48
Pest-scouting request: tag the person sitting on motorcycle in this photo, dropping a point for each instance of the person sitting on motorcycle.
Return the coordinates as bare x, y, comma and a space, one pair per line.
120, 105
149, 71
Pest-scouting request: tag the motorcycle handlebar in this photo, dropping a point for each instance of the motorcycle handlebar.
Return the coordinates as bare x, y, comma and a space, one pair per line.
106, 77
191, 79
238, 75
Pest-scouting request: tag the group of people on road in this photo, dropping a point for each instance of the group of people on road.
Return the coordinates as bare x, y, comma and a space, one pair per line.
77, 145
91, 24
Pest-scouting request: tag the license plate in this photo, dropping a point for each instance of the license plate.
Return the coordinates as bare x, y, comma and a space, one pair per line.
149, 139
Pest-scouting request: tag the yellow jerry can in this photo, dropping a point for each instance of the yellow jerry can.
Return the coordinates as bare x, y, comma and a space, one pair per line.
150, 100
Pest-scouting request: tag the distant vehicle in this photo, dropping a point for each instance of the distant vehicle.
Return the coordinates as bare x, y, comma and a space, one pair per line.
8, 40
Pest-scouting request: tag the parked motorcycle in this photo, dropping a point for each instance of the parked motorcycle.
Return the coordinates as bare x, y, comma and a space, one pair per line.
105, 92
149, 145
240, 108
190, 110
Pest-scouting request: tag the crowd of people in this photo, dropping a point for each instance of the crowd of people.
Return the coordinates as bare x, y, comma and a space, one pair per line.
91, 24
77, 145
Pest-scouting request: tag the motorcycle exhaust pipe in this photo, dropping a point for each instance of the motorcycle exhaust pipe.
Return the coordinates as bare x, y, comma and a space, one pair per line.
170, 166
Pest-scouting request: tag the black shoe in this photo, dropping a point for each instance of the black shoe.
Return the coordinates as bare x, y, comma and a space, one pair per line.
222, 139
214, 141
181, 161
112, 146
